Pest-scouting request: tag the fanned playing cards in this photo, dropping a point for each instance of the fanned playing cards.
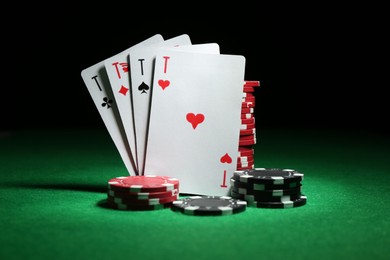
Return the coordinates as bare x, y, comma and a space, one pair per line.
177, 109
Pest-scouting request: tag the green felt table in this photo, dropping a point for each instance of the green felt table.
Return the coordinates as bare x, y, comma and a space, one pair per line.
53, 186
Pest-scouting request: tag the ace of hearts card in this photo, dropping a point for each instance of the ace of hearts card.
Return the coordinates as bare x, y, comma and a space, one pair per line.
194, 124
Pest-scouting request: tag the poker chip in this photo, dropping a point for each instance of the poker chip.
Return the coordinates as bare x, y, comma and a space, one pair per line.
247, 115
245, 164
249, 89
249, 158
245, 168
143, 202
273, 176
242, 168
209, 205
254, 198
246, 142
248, 137
248, 132
247, 104
144, 183
247, 126
246, 146
263, 186
247, 110
142, 195
248, 94
283, 204
121, 206
268, 193
248, 121
248, 99
251, 83
245, 151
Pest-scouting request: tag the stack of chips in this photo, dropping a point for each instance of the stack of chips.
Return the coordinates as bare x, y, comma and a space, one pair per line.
247, 139
146, 192
268, 187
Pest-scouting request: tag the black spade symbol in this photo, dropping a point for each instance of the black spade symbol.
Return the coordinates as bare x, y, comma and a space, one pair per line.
143, 87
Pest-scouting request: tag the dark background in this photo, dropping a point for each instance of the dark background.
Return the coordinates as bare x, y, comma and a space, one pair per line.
307, 62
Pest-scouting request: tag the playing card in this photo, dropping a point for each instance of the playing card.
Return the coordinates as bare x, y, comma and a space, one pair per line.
203, 48
118, 71
141, 64
98, 85
195, 119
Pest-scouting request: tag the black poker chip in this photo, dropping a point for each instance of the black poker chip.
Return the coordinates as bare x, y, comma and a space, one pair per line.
258, 198
209, 205
273, 176
287, 203
268, 193
263, 186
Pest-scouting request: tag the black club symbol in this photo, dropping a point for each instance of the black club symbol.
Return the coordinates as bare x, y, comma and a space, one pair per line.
107, 102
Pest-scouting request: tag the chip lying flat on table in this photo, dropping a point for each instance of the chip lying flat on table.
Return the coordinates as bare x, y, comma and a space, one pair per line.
209, 205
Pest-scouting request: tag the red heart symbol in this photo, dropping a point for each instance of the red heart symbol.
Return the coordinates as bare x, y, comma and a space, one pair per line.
226, 159
195, 119
163, 83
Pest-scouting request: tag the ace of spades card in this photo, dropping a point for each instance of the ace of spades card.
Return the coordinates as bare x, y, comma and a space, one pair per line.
194, 121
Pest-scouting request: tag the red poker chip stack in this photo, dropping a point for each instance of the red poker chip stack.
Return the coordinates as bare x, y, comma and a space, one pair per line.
146, 192
247, 138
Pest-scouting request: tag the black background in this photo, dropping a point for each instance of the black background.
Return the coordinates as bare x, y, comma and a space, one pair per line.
304, 60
